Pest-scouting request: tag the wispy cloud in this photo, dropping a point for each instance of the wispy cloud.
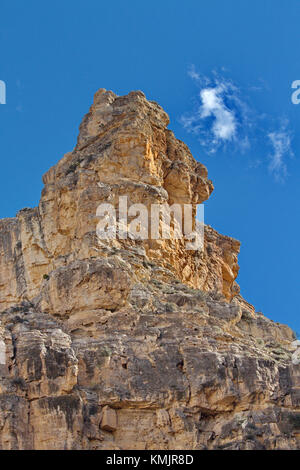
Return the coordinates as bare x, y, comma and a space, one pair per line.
223, 118
224, 125
282, 148
193, 74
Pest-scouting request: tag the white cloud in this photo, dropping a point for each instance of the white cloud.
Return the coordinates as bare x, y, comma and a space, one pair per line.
224, 125
224, 119
221, 114
281, 143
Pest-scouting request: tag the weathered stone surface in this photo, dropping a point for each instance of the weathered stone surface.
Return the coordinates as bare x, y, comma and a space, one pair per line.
108, 419
130, 344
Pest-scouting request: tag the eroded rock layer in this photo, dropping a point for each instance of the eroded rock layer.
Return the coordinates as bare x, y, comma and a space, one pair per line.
128, 343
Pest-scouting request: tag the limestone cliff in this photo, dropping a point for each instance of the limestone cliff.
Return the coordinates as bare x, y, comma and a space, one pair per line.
128, 343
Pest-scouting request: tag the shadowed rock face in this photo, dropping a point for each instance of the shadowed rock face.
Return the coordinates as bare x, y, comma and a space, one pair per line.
130, 344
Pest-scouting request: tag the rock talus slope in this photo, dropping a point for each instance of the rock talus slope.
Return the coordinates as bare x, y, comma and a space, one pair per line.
128, 343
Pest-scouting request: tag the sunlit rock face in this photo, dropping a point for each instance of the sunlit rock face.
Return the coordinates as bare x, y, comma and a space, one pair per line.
130, 343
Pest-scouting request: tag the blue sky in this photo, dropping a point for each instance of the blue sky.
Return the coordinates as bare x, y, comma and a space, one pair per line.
53, 59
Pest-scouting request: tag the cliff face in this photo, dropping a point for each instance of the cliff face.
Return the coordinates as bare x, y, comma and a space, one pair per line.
129, 343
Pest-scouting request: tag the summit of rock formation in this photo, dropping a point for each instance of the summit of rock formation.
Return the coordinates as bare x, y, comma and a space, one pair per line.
133, 343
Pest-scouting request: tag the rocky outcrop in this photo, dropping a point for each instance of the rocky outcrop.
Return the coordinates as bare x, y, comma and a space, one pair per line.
132, 343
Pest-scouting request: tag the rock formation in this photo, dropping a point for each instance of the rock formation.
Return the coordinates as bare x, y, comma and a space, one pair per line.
129, 343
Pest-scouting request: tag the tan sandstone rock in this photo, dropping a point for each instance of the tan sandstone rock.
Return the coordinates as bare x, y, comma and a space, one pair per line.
128, 343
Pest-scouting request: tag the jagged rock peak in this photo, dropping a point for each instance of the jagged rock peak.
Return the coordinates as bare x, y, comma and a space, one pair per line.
130, 343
